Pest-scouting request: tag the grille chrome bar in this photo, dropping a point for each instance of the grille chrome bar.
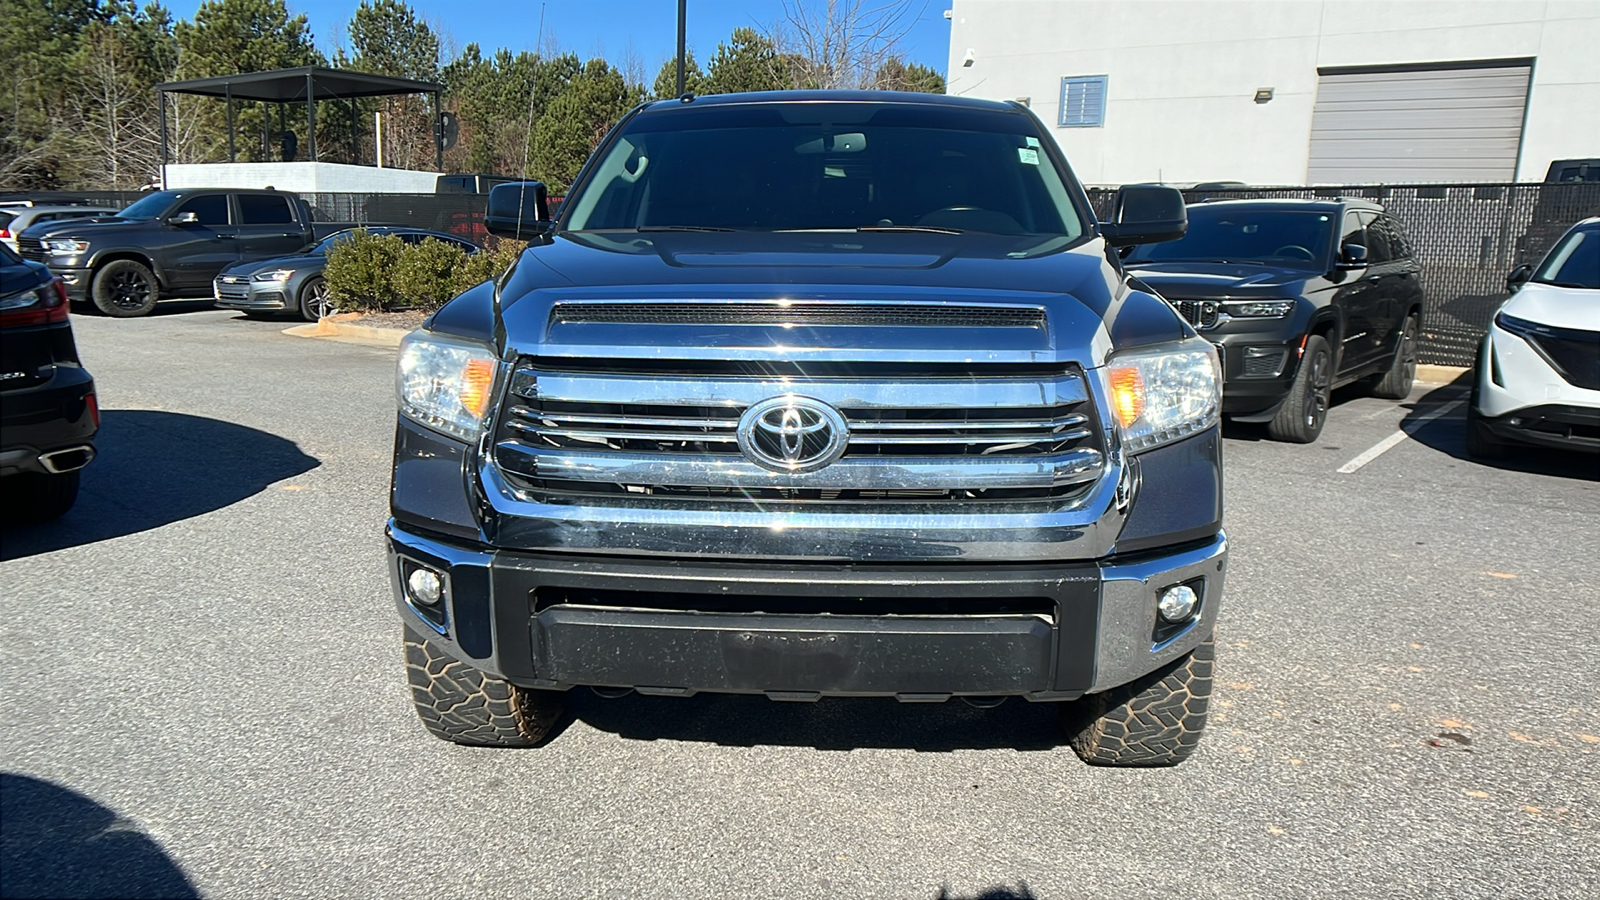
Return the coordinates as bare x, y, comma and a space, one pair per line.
843, 393
883, 473
727, 437
1019, 438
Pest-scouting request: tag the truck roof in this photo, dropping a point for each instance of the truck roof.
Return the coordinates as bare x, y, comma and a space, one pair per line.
790, 97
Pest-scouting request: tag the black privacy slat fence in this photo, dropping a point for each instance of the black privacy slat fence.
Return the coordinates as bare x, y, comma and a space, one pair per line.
1468, 238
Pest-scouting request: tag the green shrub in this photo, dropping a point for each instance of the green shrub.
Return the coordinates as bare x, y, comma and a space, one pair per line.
425, 274
360, 272
373, 273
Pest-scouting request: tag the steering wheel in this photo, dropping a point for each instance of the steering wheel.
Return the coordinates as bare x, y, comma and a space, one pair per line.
1294, 250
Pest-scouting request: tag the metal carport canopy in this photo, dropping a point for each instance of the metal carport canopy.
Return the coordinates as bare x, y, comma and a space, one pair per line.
288, 85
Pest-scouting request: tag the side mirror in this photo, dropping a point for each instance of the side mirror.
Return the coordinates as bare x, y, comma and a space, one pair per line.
520, 209
1352, 256
1146, 214
185, 218
1518, 277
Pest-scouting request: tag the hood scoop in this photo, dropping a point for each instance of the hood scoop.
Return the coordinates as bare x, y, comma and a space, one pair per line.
791, 314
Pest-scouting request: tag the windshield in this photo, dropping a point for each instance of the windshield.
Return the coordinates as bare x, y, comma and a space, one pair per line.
151, 206
1575, 262
827, 166
332, 240
1296, 239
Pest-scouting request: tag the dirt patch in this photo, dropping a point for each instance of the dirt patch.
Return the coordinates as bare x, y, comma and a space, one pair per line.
408, 320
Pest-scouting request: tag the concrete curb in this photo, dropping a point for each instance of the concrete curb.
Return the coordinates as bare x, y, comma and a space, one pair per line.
338, 328
1440, 374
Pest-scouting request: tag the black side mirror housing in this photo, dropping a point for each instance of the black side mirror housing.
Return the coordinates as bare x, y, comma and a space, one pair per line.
1518, 277
185, 218
1146, 214
1352, 256
519, 209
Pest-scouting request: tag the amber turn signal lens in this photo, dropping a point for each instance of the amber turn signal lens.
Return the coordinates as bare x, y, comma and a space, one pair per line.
1127, 395
476, 380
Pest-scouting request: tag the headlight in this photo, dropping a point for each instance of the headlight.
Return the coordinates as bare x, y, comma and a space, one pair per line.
445, 383
66, 247
1258, 309
1166, 393
274, 275
1522, 328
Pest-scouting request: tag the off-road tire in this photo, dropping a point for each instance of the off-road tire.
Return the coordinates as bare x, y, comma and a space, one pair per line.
461, 704
1153, 721
40, 497
1305, 410
1396, 383
124, 289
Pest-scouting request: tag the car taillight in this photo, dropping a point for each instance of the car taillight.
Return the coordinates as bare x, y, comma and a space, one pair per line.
49, 305
5, 232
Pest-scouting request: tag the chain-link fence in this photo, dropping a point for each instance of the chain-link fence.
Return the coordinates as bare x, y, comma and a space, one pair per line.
1468, 238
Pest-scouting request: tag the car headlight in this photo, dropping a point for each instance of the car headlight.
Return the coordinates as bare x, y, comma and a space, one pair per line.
1522, 328
446, 383
66, 246
1258, 309
1166, 393
274, 275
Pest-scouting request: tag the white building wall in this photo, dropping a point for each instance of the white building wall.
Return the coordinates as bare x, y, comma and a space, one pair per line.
1182, 74
301, 177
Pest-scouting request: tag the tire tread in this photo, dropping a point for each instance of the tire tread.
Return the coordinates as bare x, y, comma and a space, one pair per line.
1156, 720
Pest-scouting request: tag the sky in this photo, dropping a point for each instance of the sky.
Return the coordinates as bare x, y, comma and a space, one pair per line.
608, 28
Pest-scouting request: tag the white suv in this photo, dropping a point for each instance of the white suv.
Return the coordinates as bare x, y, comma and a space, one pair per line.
1538, 378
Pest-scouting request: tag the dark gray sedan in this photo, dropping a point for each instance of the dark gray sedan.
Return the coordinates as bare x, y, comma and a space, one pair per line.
294, 284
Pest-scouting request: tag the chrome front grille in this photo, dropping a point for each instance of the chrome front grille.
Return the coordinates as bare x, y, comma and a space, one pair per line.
673, 437
1199, 313
231, 287
30, 249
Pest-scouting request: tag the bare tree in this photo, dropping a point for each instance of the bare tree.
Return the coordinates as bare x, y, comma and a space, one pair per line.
842, 44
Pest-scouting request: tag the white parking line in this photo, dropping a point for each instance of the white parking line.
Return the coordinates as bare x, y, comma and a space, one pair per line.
1389, 442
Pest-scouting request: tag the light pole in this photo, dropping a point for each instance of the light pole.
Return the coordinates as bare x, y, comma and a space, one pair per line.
683, 13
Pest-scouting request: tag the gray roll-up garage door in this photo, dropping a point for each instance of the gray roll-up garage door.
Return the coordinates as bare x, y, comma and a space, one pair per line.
1418, 124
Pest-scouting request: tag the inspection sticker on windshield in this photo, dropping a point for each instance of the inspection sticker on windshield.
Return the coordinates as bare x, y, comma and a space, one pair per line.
1032, 141
1028, 155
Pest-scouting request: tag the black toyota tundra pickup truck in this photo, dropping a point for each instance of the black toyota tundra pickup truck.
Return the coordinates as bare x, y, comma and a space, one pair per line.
170, 244
814, 395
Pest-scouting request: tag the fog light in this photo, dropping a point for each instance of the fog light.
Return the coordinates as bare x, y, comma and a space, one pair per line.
424, 586
1177, 603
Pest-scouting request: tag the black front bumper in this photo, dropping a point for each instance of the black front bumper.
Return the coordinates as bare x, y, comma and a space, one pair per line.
55, 415
1555, 425
920, 632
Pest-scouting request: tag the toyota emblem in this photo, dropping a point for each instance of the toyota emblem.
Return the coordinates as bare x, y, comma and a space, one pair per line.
792, 434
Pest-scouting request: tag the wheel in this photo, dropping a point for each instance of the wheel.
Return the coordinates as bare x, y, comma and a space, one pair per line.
40, 497
1481, 442
461, 704
1300, 418
314, 300
1154, 721
1396, 383
1294, 251
124, 288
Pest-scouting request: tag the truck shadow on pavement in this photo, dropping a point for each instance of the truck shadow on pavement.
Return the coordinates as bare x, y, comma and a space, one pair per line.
1448, 434
829, 724
59, 843
154, 468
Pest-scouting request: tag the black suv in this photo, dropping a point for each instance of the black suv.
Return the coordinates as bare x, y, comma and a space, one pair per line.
1300, 297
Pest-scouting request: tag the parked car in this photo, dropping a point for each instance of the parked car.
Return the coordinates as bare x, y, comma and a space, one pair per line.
814, 394
48, 412
1300, 297
14, 221
1538, 374
294, 283
170, 244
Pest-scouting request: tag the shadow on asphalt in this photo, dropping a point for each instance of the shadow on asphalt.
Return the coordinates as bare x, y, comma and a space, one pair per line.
154, 468
1448, 435
59, 843
734, 720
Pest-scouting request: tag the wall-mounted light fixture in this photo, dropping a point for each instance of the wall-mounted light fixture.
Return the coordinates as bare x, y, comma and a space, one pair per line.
1263, 95
969, 59
1025, 101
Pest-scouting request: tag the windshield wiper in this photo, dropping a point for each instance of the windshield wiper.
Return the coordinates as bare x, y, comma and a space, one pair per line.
910, 229
681, 228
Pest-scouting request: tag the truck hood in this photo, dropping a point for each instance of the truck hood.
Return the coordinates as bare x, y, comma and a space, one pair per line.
1558, 307
87, 229
1197, 280
1077, 290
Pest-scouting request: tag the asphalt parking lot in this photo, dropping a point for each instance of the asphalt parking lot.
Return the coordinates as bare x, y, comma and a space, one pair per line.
201, 689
